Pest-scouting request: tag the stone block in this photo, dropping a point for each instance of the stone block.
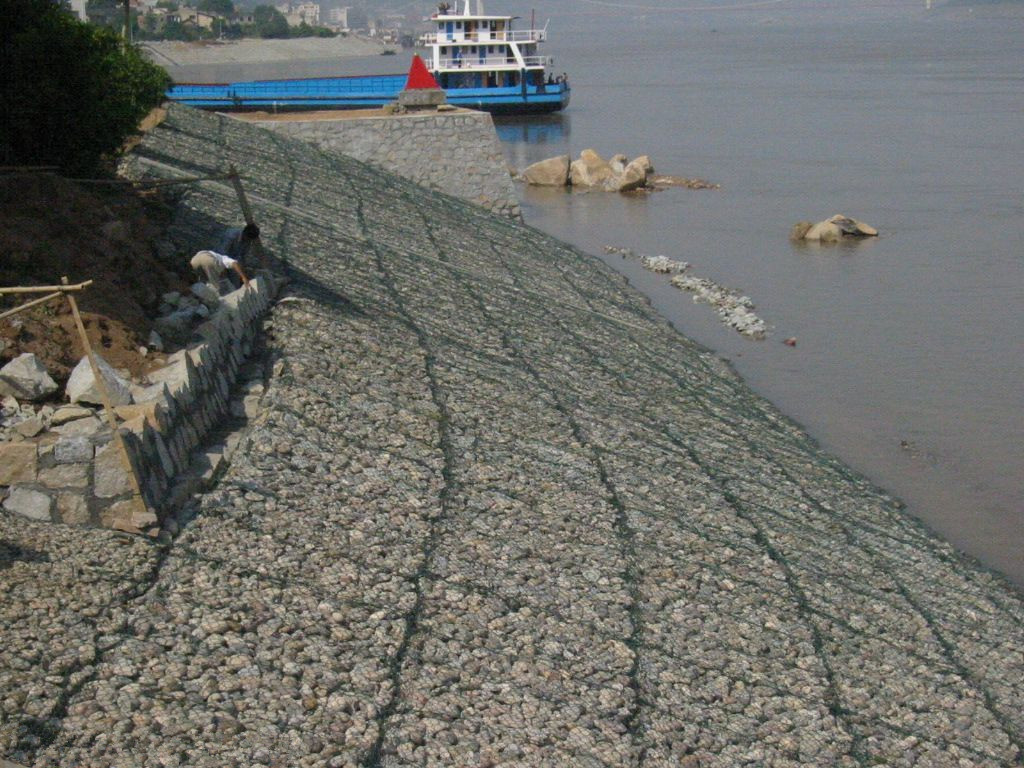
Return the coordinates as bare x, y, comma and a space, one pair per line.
110, 477
131, 515
148, 393
26, 378
86, 427
35, 505
163, 455
177, 326
151, 411
29, 427
72, 450
67, 413
82, 385
73, 509
206, 294
18, 463
65, 476
134, 426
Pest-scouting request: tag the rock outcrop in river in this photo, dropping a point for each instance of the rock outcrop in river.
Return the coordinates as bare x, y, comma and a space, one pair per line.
494, 511
831, 230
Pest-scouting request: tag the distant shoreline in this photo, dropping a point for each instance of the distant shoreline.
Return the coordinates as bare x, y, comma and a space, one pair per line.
251, 51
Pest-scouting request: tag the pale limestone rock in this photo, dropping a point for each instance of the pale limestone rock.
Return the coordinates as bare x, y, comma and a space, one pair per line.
590, 170
65, 476
633, 177
86, 427
26, 379
853, 227
67, 413
110, 478
832, 229
17, 463
800, 230
553, 172
824, 232
70, 450
35, 505
29, 427
72, 509
618, 163
82, 385
131, 515
151, 410
644, 162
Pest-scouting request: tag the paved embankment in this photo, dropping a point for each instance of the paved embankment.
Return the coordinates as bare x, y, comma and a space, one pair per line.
456, 152
495, 512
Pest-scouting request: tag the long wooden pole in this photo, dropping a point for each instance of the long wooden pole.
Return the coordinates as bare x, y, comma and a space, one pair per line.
30, 304
101, 386
47, 288
243, 202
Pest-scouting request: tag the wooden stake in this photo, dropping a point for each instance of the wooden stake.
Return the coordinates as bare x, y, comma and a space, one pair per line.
243, 202
30, 304
101, 385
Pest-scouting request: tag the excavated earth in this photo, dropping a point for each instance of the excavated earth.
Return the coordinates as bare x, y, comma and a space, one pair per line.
495, 511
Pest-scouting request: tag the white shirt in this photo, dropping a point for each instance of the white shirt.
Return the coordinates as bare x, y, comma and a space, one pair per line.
224, 261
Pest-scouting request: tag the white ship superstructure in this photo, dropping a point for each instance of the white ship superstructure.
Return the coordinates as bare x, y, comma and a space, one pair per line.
475, 50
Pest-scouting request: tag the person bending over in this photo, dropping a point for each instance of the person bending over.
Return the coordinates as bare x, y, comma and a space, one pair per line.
213, 265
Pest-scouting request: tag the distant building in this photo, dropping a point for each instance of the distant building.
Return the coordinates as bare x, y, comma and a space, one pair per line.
357, 19
299, 13
338, 17
195, 17
78, 7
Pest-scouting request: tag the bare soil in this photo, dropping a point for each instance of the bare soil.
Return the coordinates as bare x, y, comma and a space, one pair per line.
52, 227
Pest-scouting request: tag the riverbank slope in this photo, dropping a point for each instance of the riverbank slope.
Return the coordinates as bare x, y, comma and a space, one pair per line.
495, 511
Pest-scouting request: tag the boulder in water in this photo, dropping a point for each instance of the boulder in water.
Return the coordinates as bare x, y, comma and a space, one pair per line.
590, 170
553, 172
832, 229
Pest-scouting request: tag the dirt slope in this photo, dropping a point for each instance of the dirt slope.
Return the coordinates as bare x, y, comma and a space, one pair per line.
50, 227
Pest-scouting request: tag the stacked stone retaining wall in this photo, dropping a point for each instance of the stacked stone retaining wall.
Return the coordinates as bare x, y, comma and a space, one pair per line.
75, 473
455, 152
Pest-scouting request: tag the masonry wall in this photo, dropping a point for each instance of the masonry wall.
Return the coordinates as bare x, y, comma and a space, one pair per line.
455, 152
76, 475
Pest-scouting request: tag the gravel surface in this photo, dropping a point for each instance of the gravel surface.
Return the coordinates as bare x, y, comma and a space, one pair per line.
495, 512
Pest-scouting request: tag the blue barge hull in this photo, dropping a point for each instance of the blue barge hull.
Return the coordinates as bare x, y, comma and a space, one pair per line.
360, 92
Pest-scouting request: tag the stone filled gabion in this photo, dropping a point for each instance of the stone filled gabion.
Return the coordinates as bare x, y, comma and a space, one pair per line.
495, 512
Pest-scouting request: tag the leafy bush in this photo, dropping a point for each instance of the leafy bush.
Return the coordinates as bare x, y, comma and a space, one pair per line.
71, 93
270, 22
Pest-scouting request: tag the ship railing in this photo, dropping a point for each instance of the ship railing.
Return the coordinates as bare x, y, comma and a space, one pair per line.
491, 62
486, 36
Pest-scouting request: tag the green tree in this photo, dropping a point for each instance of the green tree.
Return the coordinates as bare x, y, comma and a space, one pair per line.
175, 30
270, 22
71, 92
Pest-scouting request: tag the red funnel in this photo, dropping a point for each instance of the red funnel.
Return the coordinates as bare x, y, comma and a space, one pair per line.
419, 76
